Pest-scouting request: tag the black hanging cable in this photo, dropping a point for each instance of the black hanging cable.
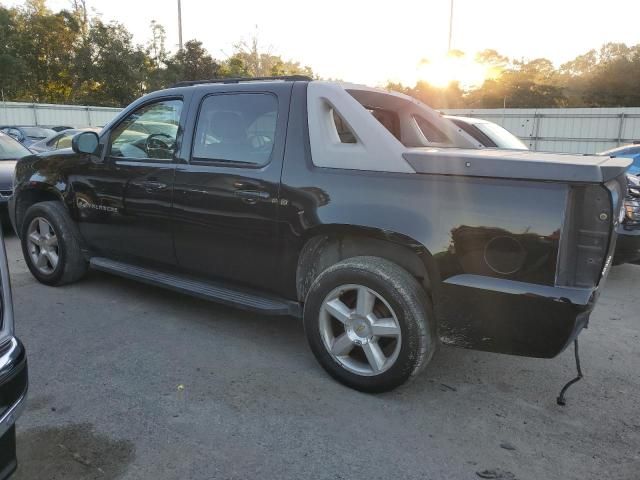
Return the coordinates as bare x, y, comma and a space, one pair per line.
561, 400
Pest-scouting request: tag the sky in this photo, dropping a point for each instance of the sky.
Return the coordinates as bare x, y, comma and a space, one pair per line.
371, 41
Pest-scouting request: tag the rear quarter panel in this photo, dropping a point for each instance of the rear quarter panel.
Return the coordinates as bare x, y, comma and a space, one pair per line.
449, 221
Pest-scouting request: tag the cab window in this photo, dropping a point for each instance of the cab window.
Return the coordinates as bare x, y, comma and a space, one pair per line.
148, 132
236, 128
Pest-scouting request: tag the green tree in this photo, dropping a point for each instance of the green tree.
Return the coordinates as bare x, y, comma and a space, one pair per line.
248, 61
118, 69
519, 84
193, 62
604, 78
43, 47
12, 68
157, 57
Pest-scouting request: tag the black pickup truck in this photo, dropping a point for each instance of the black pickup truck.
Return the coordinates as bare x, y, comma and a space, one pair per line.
361, 210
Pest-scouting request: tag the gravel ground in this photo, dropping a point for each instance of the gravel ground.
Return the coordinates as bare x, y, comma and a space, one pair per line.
129, 381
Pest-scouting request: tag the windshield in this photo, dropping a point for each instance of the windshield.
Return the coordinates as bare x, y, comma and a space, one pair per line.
501, 137
37, 132
10, 149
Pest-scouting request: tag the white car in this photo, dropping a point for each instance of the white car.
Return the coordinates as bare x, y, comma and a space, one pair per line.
487, 133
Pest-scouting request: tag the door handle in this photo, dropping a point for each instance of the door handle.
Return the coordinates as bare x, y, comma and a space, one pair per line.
152, 186
252, 196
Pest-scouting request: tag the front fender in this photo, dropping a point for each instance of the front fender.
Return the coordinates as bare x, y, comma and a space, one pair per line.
40, 178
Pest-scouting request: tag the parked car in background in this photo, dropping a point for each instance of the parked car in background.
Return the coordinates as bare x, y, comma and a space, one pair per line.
10, 152
628, 246
360, 210
13, 373
27, 135
487, 133
627, 151
58, 140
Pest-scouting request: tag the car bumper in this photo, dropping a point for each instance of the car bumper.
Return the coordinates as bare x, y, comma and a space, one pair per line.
13, 393
627, 246
506, 316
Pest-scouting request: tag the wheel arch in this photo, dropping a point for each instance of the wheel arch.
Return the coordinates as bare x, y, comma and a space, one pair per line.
326, 245
35, 193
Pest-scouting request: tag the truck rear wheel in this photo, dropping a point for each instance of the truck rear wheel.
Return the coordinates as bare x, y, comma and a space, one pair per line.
51, 246
369, 323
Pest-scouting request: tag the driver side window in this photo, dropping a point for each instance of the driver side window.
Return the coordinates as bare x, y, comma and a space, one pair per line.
148, 132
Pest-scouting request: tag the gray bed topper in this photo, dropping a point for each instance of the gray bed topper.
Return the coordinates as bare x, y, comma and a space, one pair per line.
523, 165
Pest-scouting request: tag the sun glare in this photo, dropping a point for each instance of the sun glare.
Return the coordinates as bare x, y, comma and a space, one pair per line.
442, 71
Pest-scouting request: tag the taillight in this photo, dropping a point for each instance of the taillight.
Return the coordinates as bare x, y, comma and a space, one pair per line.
632, 204
591, 215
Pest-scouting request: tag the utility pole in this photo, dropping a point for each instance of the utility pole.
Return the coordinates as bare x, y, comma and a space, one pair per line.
450, 25
180, 25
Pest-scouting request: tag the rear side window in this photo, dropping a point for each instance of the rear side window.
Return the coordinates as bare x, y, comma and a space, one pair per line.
344, 132
236, 128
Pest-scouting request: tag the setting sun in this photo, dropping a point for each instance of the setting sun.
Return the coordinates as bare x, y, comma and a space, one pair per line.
442, 71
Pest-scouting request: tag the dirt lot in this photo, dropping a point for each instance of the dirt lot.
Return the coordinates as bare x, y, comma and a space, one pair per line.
128, 381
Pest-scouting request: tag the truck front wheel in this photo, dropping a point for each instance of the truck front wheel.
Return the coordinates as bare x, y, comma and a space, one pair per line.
369, 323
50, 244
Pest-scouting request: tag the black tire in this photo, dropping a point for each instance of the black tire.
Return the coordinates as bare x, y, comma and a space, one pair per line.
403, 294
72, 265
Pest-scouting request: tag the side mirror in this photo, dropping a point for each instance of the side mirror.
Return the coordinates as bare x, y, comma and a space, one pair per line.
85, 142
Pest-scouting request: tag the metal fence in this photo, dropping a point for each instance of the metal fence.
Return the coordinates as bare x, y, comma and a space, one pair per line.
16, 113
570, 130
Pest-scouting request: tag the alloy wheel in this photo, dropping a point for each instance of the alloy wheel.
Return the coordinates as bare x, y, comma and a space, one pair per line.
360, 330
42, 244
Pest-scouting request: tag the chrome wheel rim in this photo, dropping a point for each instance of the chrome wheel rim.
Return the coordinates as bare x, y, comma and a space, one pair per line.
42, 244
360, 330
